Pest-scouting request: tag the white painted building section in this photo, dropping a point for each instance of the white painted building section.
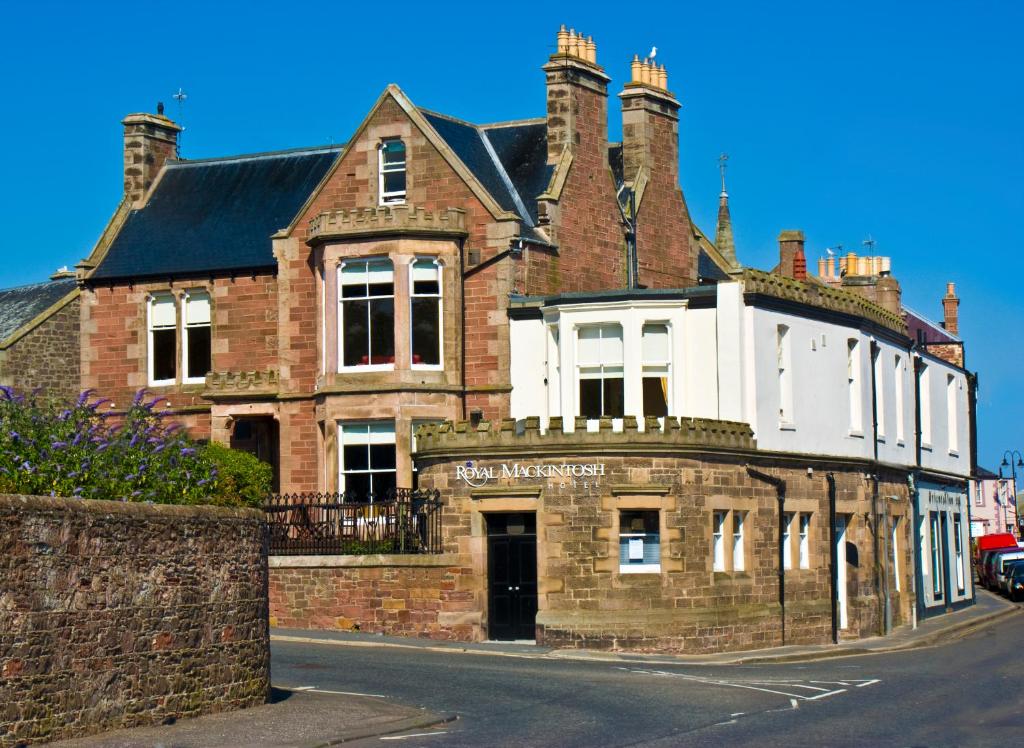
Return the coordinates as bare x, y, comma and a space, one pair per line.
806, 384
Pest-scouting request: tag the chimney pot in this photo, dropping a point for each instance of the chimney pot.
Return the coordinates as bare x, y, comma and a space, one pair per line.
950, 313
791, 245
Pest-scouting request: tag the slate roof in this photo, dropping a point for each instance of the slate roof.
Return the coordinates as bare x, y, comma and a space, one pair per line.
708, 270
19, 306
923, 330
215, 214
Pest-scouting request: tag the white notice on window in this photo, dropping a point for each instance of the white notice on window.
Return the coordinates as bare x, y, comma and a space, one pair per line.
636, 549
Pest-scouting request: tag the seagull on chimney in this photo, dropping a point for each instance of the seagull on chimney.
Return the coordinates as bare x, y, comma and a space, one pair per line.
830, 252
653, 54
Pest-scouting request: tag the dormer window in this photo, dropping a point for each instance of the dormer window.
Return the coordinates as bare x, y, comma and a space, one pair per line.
391, 157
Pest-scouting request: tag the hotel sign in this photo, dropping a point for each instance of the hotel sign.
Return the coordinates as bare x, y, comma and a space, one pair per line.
567, 473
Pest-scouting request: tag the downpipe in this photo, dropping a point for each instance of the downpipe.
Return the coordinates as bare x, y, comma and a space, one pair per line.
833, 555
780, 493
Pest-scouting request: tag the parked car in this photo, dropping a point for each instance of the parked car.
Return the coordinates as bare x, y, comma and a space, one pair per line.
1003, 578
988, 559
999, 564
1015, 583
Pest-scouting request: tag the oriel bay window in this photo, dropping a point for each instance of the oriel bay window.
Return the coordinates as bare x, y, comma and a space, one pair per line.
163, 339
367, 313
654, 345
600, 371
367, 459
425, 307
196, 342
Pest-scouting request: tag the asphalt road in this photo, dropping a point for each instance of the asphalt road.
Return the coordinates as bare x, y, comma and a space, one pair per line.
966, 693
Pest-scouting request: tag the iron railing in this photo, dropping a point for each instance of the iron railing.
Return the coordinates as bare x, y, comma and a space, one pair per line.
403, 521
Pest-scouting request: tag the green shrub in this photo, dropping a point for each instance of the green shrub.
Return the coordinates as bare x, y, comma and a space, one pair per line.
242, 479
88, 450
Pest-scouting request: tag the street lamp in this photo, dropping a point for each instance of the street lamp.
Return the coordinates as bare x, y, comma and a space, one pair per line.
1008, 456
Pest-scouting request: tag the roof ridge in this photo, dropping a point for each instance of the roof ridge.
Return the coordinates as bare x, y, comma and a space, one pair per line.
442, 115
513, 123
931, 323
310, 150
38, 284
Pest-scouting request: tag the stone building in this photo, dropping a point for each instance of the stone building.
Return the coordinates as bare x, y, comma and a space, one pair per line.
39, 346
607, 401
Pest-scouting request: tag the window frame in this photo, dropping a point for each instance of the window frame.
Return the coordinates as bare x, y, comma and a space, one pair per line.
787, 540
368, 298
718, 519
439, 267
601, 367
804, 540
186, 326
739, 546
653, 366
151, 300
952, 416
341, 441
784, 362
641, 568
383, 168
855, 392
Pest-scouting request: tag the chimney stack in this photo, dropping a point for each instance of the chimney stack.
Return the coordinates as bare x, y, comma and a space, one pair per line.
149, 141
791, 255
950, 315
577, 98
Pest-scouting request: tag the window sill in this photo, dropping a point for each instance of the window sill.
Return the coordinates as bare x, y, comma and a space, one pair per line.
855, 434
367, 368
880, 438
388, 202
428, 367
194, 380
787, 426
954, 453
162, 383
641, 569
926, 447
900, 443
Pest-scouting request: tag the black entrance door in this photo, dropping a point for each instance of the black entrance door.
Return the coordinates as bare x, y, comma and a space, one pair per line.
512, 575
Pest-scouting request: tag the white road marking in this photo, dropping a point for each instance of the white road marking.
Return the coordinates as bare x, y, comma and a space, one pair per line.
414, 735
303, 688
868, 683
793, 689
345, 693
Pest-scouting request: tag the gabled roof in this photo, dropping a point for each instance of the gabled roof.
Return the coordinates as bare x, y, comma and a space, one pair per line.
21, 306
215, 215
923, 330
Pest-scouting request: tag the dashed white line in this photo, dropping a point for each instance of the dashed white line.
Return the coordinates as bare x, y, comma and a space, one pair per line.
414, 735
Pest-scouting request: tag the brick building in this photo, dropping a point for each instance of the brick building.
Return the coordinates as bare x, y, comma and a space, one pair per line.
39, 345
531, 299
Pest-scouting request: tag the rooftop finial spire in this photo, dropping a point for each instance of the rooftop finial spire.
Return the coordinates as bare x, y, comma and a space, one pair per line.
723, 231
722, 165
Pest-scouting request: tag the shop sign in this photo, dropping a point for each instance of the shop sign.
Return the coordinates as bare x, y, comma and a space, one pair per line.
942, 499
479, 476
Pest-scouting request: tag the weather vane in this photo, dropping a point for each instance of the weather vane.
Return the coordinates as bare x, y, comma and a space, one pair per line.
180, 98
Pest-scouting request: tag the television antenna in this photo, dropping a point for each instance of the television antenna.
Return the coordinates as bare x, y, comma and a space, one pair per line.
180, 97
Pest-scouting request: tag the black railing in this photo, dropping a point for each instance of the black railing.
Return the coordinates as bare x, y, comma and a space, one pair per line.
403, 521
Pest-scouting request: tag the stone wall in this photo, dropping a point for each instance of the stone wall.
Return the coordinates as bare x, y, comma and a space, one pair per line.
115, 615
47, 357
403, 595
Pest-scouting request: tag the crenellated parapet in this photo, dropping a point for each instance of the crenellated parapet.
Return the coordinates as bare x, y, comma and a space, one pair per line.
234, 384
814, 294
386, 220
509, 436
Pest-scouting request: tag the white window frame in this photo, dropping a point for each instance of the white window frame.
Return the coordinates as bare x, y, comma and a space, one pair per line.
924, 387
187, 325
653, 568
396, 197
804, 528
600, 370
900, 385
374, 435
895, 552
718, 518
366, 261
787, 540
878, 372
152, 300
653, 366
738, 546
853, 382
958, 548
784, 360
439, 267
951, 415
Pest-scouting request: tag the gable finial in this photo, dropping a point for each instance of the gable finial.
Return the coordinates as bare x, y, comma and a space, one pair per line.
721, 168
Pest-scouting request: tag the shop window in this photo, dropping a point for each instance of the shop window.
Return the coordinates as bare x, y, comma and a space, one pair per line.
196, 341
425, 308
656, 361
600, 372
936, 557
958, 545
879, 376
391, 163
367, 314
785, 368
639, 542
367, 457
787, 541
951, 414
163, 339
738, 546
853, 386
898, 400
805, 541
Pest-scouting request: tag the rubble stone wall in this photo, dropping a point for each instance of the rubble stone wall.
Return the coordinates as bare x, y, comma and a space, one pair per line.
116, 615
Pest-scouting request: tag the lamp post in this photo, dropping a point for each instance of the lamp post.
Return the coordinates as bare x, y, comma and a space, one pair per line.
1008, 456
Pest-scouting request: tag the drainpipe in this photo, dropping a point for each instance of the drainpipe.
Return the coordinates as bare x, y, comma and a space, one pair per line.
462, 306
881, 564
780, 492
833, 555
915, 535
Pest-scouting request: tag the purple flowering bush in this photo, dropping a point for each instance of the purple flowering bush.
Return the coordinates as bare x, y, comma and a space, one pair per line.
85, 450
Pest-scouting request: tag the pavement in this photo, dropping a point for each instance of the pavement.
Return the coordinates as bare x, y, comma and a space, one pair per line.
314, 718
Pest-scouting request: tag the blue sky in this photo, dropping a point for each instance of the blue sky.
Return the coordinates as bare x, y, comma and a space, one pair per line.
898, 120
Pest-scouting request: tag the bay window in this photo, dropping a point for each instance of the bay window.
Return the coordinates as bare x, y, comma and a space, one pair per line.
425, 312
600, 371
367, 313
367, 459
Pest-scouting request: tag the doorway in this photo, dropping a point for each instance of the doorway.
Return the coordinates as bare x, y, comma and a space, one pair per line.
512, 576
259, 437
841, 569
